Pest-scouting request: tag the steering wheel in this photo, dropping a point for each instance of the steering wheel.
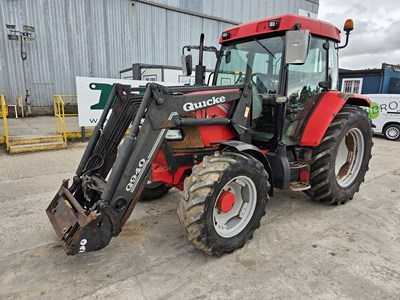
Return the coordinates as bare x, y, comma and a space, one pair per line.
262, 82
239, 77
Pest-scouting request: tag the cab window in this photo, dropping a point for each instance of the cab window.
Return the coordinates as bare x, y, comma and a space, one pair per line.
303, 79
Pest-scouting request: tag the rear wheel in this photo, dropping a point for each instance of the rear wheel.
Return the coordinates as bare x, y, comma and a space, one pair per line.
223, 202
154, 190
341, 160
392, 132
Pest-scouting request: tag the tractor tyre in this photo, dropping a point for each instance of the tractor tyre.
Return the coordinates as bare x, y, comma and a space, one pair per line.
154, 190
392, 132
223, 202
339, 163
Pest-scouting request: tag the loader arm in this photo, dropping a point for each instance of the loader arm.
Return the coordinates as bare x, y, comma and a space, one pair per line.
110, 177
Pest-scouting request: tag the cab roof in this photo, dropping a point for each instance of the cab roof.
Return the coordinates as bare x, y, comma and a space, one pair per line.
285, 23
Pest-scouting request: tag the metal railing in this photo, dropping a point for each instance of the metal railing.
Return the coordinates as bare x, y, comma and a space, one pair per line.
4, 115
59, 102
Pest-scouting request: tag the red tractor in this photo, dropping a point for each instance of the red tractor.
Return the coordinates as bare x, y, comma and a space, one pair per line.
272, 119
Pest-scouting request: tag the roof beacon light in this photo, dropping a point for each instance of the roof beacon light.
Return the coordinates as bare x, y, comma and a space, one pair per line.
348, 25
274, 24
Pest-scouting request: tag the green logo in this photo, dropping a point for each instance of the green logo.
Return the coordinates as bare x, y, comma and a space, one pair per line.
374, 110
105, 89
105, 93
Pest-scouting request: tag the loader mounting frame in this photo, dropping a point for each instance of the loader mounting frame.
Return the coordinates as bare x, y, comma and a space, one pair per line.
92, 210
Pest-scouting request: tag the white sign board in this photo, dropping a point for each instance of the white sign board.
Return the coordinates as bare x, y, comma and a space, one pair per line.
93, 94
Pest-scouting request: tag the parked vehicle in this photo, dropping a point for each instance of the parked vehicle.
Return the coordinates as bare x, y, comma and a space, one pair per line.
385, 115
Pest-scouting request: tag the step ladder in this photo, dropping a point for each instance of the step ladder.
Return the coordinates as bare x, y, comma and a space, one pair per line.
22, 144
299, 185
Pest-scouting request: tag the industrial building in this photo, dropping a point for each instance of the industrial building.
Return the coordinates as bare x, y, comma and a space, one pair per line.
99, 38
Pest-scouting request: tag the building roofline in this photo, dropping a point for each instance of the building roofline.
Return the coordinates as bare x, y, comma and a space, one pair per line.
366, 71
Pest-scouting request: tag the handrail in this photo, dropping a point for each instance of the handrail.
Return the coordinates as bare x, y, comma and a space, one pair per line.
4, 115
59, 114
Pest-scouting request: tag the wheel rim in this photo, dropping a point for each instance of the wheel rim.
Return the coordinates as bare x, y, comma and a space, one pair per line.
393, 133
349, 157
232, 222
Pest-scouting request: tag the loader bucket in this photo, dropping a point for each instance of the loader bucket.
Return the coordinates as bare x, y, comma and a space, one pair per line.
78, 230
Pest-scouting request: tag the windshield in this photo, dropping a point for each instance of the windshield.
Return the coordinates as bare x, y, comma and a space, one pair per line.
258, 61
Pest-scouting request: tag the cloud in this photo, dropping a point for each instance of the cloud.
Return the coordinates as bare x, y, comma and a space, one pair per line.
375, 39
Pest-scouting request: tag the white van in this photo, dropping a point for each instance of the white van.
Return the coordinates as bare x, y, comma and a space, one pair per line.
385, 114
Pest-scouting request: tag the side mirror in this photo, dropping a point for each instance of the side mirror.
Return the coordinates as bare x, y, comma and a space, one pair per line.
324, 84
228, 56
186, 65
296, 46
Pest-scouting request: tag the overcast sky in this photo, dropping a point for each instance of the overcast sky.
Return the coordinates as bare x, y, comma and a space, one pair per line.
376, 35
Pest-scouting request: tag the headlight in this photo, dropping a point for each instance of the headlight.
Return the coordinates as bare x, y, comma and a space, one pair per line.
174, 135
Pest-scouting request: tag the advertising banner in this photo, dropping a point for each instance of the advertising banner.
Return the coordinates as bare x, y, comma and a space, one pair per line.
93, 94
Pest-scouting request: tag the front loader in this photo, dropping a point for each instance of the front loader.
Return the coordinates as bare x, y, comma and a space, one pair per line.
273, 118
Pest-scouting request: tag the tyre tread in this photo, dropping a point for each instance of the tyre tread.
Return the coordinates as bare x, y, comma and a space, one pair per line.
321, 162
197, 193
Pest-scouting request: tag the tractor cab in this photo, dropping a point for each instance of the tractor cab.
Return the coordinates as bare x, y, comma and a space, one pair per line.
289, 56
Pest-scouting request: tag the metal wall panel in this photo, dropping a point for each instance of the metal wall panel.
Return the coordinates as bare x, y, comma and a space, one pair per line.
152, 37
173, 31
241, 10
100, 37
73, 38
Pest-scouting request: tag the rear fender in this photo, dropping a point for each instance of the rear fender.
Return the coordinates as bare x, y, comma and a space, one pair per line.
320, 115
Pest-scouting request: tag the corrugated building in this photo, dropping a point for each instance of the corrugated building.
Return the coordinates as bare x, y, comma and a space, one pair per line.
385, 80
100, 37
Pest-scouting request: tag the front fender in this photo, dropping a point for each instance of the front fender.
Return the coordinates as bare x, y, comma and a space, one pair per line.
253, 151
317, 118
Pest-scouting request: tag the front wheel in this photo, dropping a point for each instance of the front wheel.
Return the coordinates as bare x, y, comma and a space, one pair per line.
392, 132
223, 202
339, 163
